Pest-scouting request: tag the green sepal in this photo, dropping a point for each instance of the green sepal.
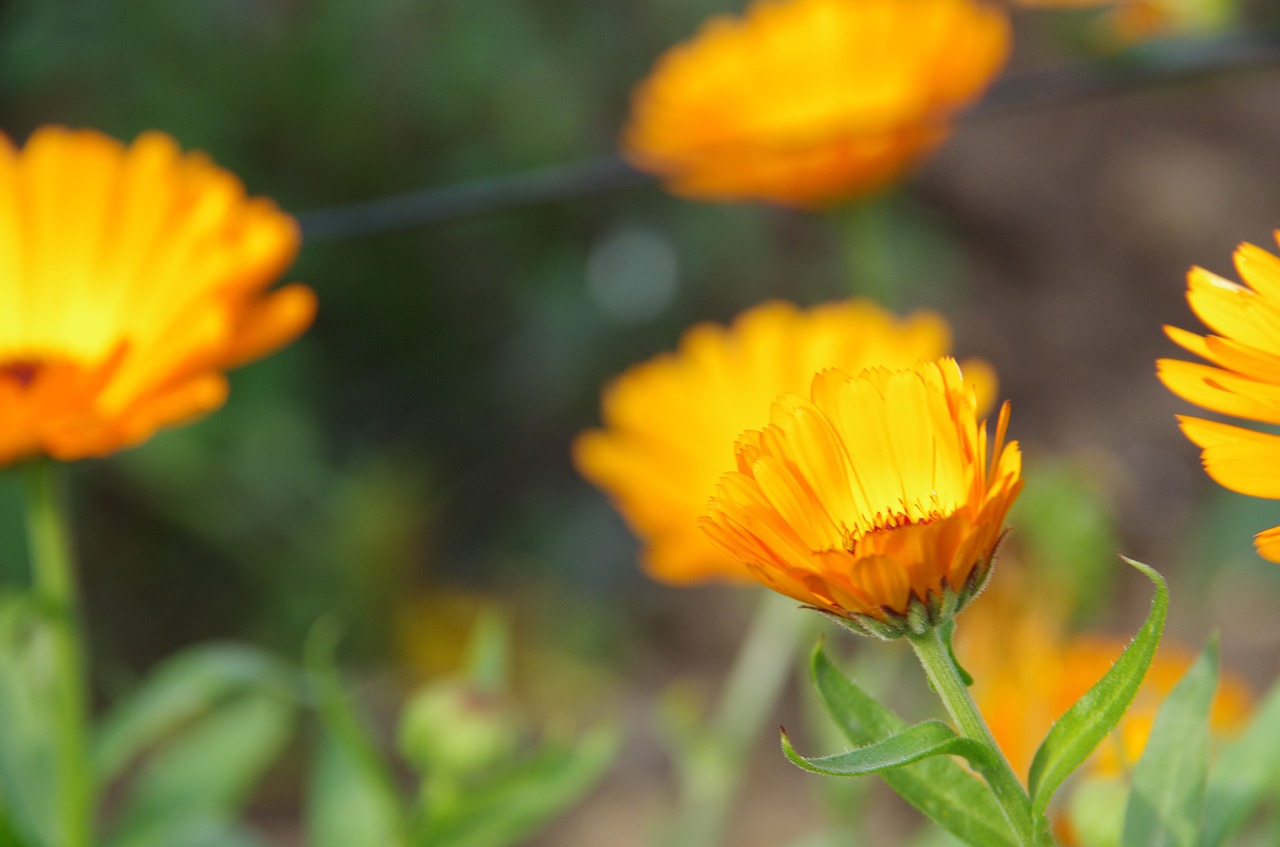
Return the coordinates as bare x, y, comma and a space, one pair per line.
1079, 731
940, 788
931, 738
1245, 772
948, 631
1166, 796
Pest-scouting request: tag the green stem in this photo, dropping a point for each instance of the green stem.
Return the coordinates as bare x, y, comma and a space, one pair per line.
714, 769
54, 579
939, 665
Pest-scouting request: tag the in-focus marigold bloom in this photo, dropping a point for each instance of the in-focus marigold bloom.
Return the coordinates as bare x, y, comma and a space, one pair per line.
873, 498
805, 102
1242, 380
670, 423
130, 279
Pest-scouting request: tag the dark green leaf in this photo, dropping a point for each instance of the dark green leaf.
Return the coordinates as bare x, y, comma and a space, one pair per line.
180, 690
205, 774
1083, 726
28, 769
931, 738
941, 789
1245, 772
352, 799
509, 809
1166, 795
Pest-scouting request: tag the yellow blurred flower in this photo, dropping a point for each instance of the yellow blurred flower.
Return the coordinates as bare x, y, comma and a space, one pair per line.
130, 279
1243, 379
670, 423
805, 102
873, 499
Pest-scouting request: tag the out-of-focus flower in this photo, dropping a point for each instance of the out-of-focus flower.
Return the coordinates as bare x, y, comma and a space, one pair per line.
1128, 21
805, 102
670, 423
130, 279
1243, 379
873, 499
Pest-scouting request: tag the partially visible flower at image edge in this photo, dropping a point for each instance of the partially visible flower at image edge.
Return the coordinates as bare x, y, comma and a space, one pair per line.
131, 278
1243, 379
807, 102
872, 499
670, 422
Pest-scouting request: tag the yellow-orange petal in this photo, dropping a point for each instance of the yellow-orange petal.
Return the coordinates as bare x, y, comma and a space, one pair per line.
1236, 458
1232, 310
808, 101
1267, 543
131, 277
671, 424
1220, 390
910, 511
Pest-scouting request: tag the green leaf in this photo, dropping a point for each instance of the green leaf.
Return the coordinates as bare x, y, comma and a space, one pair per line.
931, 738
487, 659
352, 797
28, 769
199, 832
1166, 797
1245, 772
1082, 727
205, 774
510, 808
940, 788
177, 692
1095, 808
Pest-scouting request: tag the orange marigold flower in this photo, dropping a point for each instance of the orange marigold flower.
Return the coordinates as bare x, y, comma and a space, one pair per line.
130, 279
873, 499
670, 423
1243, 379
805, 102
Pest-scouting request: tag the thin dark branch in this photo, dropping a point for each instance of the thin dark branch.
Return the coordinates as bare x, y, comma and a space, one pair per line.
1011, 94
1179, 61
605, 173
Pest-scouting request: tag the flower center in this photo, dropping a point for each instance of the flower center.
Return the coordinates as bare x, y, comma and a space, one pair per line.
21, 372
884, 522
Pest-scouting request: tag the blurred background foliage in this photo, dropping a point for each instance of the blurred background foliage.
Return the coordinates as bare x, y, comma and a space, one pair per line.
405, 464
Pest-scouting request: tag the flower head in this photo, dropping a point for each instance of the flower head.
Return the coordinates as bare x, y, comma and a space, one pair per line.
1242, 380
873, 498
670, 423
130, 279
805, 102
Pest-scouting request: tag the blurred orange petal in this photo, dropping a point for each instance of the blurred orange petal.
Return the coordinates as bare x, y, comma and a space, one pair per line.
670, 423
805, 102
131, 278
